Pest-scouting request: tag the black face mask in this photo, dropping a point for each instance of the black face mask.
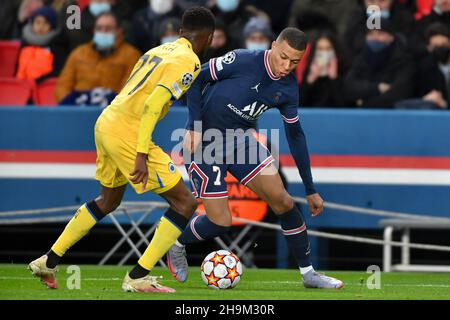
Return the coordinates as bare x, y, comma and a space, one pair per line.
441, 54
377, 59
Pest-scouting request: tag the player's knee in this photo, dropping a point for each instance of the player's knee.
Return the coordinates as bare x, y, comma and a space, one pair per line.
282, 203
223, 220
105, 206
186, 205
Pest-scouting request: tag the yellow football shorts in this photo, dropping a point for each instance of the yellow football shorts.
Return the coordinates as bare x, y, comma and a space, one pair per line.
115, 162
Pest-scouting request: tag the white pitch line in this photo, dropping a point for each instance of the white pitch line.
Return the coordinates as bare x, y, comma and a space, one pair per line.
267, 281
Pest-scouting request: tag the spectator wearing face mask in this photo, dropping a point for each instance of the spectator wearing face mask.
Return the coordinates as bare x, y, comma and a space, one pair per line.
235, 14
145, 27
441, 14
257, 34
382, 73
88, 18
221, 42
323, 78
276, 11
433, 76
169, 30
43, 52
106, 62
399, 16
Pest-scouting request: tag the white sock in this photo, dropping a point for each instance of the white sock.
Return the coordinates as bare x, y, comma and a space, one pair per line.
178, 244
306, 269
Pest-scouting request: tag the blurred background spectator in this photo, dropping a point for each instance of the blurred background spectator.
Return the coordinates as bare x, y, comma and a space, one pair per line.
400, 18
440, 13
105, 62
89, 16
169, 30
145, 27
310, 15
433, 74
344, 65
235, 14
26, 9
382, 73
221, 42
43, 50
327, 64
257, 34
277, 17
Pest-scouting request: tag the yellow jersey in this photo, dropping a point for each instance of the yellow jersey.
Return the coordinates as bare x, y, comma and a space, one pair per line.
173, 66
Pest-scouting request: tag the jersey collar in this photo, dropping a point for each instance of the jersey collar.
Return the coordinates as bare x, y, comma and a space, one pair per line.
267, 65
185, 41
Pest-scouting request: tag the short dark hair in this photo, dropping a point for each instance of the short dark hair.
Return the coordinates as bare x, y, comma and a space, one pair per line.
119, 21
295, 38
198, 19
435, 29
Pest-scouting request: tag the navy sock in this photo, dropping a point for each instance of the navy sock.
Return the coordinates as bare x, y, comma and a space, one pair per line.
293, 228
201, 228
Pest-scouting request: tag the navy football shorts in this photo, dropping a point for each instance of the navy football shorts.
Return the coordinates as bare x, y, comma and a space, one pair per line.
243, 159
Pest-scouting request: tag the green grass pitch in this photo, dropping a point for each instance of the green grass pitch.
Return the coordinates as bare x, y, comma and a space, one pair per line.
104, 282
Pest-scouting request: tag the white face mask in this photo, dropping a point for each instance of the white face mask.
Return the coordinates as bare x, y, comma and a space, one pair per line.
252, 45
161, 6
168, 39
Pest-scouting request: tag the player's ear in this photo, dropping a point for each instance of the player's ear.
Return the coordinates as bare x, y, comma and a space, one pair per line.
274, 45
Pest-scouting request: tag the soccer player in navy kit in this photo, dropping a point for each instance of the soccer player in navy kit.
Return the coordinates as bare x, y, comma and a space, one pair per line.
231, 92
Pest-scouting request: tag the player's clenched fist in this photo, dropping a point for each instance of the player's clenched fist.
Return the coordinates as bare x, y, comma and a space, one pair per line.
315, 203
191, 141
140, 172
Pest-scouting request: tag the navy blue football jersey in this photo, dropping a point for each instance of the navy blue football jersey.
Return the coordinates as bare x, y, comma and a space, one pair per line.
240, 87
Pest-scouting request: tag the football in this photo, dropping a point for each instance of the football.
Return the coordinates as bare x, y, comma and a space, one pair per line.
221, 269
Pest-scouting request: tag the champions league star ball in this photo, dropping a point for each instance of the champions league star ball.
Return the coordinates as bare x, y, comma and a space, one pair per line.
221, 269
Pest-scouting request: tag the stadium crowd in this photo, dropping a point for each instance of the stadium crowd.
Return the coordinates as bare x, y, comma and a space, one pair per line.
402, 63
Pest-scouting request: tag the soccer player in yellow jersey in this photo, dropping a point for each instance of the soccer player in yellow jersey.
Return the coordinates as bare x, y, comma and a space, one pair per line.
126, 153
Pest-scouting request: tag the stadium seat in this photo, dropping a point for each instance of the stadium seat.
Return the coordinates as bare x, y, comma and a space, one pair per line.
9, 52
14, 92
44, 93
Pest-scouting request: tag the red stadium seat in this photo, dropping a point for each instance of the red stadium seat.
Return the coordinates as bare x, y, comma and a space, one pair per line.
14, 92
9, 53
44, 93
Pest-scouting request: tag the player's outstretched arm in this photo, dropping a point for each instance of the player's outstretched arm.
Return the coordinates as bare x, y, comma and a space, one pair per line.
152, 110
299, 150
